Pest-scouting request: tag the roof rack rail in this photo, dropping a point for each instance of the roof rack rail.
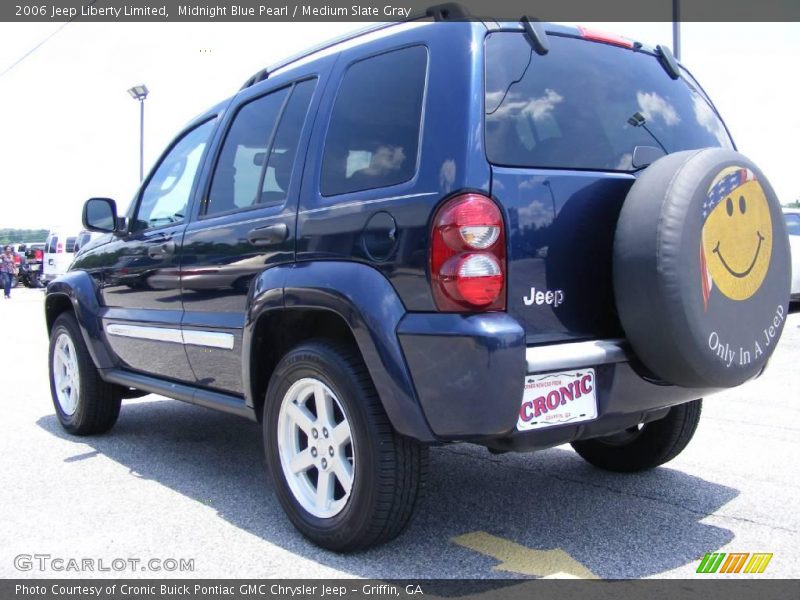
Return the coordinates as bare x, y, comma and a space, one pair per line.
448, 11
260, 76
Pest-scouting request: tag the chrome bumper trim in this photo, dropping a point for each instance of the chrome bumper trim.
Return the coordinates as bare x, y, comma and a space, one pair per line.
573, 355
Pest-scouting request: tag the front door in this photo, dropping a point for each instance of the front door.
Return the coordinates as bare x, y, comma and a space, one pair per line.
141, 281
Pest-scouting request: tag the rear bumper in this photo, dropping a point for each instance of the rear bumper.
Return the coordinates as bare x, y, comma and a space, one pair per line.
469, 374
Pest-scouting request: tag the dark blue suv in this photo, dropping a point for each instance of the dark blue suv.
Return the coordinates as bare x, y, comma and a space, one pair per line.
517, 235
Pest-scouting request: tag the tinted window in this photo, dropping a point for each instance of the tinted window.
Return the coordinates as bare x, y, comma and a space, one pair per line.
83, 239
374, 130
241, 161
793, 223
70, 246
284, 148
166, 197
255, 164
52, 245
587, 105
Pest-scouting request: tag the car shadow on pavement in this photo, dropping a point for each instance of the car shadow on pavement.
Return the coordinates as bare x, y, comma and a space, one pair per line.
617, 526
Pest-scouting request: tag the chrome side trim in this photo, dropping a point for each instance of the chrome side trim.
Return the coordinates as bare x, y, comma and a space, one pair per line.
573, 355
191, 337
210, 339
158, 334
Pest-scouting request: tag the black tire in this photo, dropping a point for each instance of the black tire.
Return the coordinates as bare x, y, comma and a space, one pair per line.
702, 268
388, 471
98, 402
639, 449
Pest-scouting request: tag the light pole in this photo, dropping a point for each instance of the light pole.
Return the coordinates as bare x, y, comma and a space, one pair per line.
676, 29
139, 92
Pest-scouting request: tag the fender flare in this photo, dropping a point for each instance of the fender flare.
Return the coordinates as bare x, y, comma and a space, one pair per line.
81, 291
370, 306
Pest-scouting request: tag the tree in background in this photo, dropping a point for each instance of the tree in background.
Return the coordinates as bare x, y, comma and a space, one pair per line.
22, 236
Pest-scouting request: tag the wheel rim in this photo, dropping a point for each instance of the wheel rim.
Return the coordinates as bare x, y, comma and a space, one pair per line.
66, 375
316, 448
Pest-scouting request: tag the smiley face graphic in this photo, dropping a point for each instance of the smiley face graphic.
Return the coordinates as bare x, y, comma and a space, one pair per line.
737, 235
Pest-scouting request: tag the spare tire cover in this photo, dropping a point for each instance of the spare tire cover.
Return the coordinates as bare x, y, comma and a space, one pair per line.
702, 268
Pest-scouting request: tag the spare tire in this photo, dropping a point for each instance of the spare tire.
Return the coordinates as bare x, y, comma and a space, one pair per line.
702, 268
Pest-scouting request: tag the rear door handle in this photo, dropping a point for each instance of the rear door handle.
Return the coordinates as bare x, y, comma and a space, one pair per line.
268, 236
161, 250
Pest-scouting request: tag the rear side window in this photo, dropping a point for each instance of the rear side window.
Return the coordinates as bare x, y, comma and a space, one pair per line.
52, 244
373, 137
256, 161
587, 105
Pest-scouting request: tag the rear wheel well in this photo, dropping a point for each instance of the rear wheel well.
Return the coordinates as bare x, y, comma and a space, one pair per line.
54, 305
279, 331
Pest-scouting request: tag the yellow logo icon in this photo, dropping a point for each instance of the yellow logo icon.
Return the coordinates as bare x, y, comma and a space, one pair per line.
736, 236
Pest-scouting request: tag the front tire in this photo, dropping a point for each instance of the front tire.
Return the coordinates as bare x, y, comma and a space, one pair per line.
645, 446
84, 403
345, 478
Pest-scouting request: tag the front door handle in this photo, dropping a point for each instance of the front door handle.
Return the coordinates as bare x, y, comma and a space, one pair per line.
270, 235
161, 250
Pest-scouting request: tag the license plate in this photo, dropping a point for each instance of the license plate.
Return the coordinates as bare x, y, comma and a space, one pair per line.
561, 398
34, 267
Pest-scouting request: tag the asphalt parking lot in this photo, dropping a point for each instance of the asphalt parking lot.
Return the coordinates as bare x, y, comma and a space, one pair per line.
177, 481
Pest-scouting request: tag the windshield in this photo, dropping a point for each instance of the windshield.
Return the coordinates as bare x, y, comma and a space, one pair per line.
588, 105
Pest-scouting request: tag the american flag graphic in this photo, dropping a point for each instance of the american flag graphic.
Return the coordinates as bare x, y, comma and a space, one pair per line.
719, 190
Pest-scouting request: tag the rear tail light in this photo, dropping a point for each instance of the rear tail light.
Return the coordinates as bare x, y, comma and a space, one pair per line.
17, 259
38, 255
59, 248
468, 255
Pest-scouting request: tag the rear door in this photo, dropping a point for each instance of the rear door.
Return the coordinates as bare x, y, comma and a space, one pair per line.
560, 132
245, 222
141, 282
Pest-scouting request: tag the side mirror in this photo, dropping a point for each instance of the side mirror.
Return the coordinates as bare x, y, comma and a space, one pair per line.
100, 214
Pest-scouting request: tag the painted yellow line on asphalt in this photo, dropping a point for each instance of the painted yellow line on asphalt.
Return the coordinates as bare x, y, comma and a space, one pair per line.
515, 558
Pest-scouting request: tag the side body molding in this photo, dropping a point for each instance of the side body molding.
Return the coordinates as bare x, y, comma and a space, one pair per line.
369, 305
80, 290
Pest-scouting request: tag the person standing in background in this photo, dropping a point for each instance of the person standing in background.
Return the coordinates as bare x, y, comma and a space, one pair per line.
8, 269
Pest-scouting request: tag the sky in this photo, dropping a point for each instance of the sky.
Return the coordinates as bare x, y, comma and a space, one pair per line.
70, 130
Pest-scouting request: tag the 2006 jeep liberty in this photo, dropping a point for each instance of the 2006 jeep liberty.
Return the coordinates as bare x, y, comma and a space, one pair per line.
518, 235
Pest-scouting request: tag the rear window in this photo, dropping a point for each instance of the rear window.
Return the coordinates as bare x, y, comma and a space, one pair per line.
52, 244
70, 246
587, 105
793, 223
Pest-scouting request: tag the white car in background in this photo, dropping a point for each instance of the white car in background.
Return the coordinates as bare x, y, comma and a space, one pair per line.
59, 251
792, 216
